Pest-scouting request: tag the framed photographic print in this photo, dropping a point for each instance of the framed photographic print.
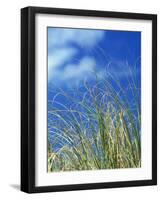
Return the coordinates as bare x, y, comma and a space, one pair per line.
88, 99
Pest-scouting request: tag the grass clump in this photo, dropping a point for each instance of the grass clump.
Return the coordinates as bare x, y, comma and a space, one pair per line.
98, 129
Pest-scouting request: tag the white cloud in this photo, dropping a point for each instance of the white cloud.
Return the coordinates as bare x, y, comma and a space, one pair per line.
61, 51
120, 70
81, 37
58, 58
77, 72
72, 74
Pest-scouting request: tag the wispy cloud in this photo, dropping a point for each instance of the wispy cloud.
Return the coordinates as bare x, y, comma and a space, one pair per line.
58, 58
63, 45
84, 68
73, 74
121, 70
58, 37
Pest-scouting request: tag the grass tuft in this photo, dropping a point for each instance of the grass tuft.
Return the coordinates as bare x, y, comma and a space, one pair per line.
99, 130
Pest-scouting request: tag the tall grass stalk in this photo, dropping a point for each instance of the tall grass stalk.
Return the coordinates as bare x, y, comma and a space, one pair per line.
98, 131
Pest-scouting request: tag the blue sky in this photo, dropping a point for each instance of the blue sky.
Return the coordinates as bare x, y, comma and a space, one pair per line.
76, 56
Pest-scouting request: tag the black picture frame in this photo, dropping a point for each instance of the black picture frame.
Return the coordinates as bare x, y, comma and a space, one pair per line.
28, 98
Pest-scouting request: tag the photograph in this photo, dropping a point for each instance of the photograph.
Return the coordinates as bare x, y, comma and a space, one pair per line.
94, 99
89, 99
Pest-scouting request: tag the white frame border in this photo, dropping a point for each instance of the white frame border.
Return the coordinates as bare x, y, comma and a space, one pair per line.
42, 178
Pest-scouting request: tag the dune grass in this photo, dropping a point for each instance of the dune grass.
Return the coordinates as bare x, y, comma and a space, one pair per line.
99, 130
